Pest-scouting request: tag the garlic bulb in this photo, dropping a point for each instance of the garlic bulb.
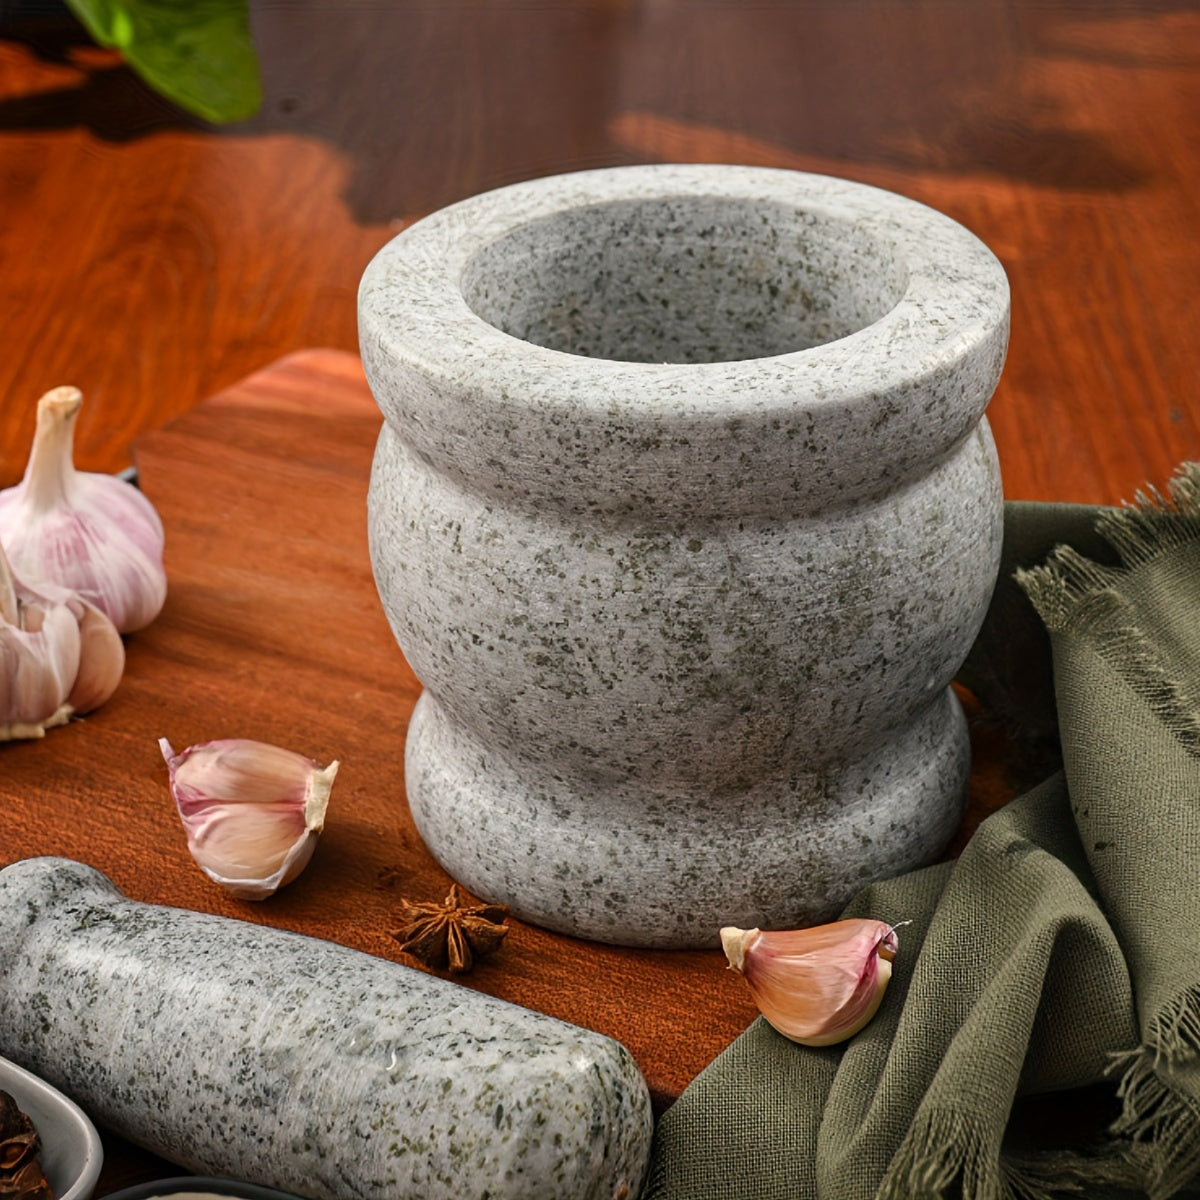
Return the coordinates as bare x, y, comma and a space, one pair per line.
252, 812
816, 986
92, 533
58, 655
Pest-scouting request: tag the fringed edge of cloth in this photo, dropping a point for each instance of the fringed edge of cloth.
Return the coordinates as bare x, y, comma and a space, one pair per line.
947, 1154
1154, 523
1058, 1174
944, 1147
1159, 1124
1172, 1036
1072, 593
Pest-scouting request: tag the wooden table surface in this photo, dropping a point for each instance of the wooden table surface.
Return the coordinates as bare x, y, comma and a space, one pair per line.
155, 261
272, 630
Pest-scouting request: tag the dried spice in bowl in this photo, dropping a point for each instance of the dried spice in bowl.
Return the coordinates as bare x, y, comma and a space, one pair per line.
21, 1176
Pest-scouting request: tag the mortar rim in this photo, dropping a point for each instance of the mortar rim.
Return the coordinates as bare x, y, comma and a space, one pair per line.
413, 314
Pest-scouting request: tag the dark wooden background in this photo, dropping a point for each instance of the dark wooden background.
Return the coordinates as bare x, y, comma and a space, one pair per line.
153, 261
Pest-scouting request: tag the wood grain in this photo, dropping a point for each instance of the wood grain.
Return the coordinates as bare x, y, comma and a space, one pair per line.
273, 630
152, 260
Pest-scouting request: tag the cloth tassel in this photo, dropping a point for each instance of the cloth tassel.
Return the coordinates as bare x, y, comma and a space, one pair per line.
1066, 582
941, 1148
1062, 592
947, 1155
1161, 1125
1154, 523
1173, 1036
1075, 595
1139, 533
1057, 1174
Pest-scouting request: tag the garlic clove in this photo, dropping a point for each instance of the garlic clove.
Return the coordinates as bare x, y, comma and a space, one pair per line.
252, 812
249, 851
37, 666
39, 659
92, 533
58, 655
101, 658
816, 986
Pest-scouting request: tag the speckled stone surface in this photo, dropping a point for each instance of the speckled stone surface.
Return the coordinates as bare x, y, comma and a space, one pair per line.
685, 514
240, 1050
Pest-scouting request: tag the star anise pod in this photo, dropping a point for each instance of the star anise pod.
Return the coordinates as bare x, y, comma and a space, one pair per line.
21, 1175
26, 1183
16, 1149
450, 934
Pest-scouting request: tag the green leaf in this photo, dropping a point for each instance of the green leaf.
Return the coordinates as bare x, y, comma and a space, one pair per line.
198, 53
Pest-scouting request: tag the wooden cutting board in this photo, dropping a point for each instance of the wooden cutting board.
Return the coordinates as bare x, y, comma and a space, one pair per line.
272, 630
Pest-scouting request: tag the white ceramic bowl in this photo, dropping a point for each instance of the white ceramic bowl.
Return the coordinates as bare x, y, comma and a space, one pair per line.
198, 1185
71, 1151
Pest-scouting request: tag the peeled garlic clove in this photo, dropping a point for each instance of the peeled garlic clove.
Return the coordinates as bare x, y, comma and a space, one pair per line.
58, 655
92, 533
252, 812
816, 986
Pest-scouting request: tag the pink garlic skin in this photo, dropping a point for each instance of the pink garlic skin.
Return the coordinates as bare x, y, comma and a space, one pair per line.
92, 533
38, 665
102, 559
58, 655
816, 986
101, 658
252, 812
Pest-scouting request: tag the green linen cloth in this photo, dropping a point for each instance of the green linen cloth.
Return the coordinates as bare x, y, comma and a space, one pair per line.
1041, 1033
